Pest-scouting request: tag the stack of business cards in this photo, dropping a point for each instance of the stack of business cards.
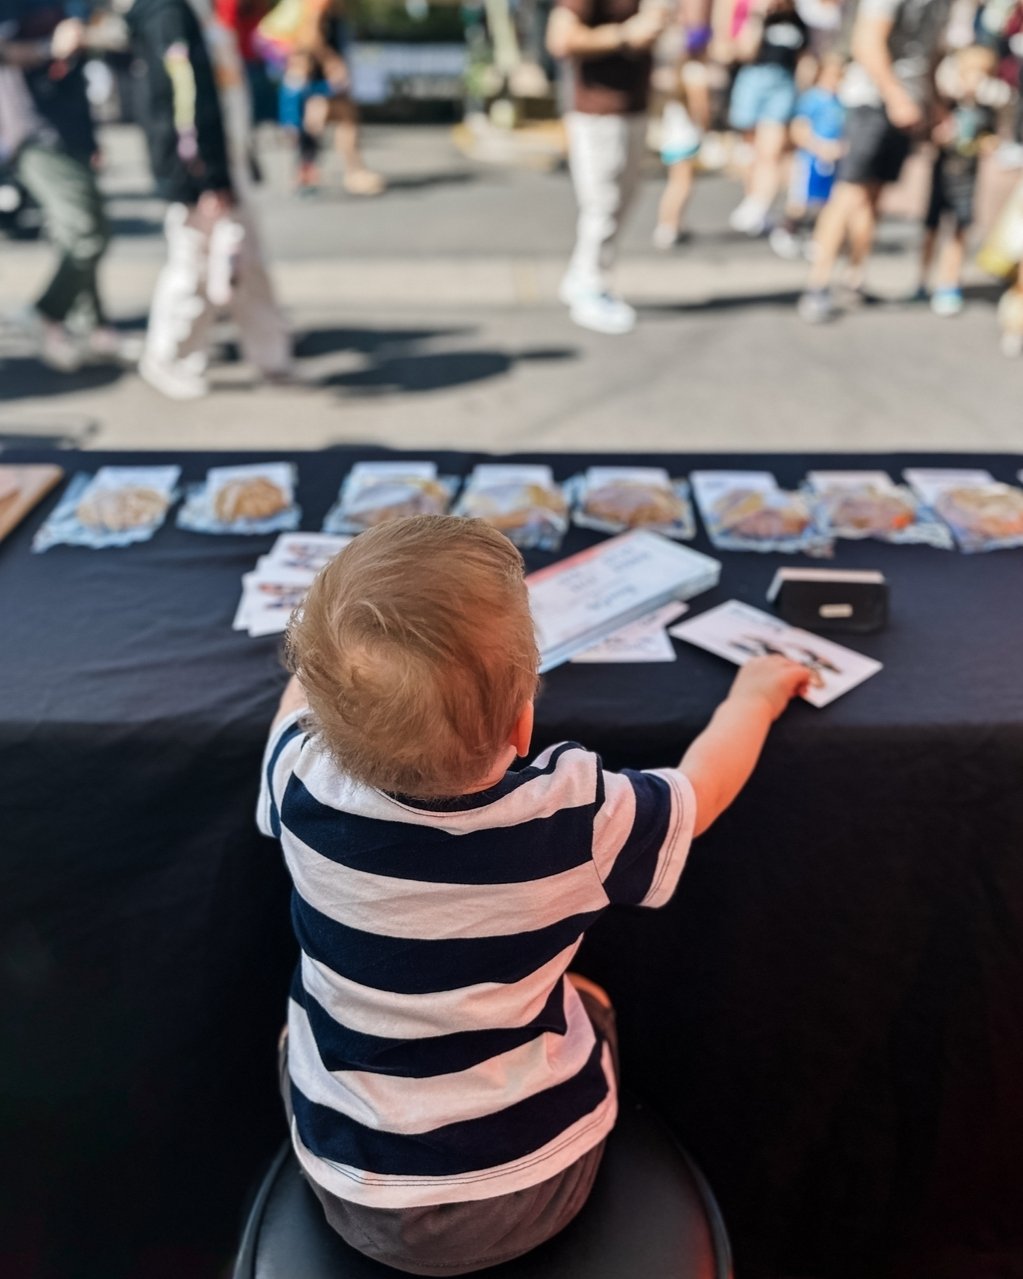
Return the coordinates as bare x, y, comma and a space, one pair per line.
280, 580
585, 598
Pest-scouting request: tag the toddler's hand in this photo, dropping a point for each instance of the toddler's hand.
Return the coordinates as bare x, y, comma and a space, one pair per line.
775, 680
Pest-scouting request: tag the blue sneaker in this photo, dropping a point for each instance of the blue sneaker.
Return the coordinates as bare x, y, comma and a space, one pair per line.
947, 302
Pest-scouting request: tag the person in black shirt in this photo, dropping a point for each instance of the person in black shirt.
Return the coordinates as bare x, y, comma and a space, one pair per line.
770, 44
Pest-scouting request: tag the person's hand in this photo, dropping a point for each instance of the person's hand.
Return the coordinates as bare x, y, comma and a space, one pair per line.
212, 206
944, 132
68, 38
773, 680
642, 31
830, 152
338, 77
902, 110
188, 147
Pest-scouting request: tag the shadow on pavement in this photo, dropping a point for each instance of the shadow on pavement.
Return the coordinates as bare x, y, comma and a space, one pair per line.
315, 342
23, 377
436, 371
734, 302
421, 181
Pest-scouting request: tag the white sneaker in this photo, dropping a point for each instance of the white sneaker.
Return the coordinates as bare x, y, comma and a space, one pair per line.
54, 345
785, 244
749, 218
603, 313
172, 380
570, 290
108, 345
57, 348
665, 237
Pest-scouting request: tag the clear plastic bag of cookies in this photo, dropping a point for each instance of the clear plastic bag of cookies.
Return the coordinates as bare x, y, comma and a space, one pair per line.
748, 511
117, 506
983, 514
861, 504
524, 502
615, 499
256, 498
377, 492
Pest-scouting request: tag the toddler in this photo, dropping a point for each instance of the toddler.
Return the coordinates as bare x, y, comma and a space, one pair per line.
965, 131
449, 1084
817, 133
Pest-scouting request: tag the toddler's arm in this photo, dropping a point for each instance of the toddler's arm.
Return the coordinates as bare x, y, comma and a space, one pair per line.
721, 759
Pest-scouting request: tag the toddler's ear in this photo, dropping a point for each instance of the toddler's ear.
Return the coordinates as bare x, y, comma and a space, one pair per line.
522, 731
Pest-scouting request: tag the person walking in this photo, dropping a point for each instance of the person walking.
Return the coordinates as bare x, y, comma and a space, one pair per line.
887, 91
213, 254
608, 45
47, 140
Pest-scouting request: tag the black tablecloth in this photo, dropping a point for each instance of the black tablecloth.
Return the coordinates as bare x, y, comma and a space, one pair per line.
830, 1012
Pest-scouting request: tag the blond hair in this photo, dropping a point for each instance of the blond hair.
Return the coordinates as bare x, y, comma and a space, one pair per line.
416, 650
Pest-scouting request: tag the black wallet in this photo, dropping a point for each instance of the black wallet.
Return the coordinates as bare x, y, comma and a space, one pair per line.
831, 599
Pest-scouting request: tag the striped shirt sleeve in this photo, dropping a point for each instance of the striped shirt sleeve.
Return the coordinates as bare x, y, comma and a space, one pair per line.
642, 833
279, 759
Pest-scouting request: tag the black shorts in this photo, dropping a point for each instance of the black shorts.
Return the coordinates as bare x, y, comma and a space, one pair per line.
953, 186
875, 149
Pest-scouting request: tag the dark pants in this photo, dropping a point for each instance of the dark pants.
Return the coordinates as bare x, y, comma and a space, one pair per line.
65, 189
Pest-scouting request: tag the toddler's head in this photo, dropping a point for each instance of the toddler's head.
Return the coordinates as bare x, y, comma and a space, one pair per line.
416, 650
831, 72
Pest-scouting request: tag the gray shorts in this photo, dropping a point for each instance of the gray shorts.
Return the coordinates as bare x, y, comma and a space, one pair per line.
433, 1240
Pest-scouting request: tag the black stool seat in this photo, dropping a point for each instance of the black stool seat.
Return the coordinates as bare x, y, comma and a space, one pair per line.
650, 1215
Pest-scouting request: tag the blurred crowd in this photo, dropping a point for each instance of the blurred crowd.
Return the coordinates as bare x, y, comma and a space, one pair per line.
816, 104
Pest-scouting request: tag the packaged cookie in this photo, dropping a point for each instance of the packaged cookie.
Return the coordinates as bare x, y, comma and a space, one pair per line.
747, 511
983, 514
256, 498
523, 502
860, 504
377, 492
614, 499
117, 506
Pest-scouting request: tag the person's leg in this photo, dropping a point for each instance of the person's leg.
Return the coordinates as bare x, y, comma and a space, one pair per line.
605, 153
832, 230
769, 143
947, 300
359, 179
927, 250
180, 318
671, 211
65, 189
862, 228
262, 331
953, 255
591, 146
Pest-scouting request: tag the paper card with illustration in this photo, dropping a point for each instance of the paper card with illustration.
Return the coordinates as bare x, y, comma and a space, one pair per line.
305, 551
268, 598
738, 632
644, 640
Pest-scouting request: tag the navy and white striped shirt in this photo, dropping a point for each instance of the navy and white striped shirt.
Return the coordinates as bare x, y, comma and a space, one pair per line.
437, 1053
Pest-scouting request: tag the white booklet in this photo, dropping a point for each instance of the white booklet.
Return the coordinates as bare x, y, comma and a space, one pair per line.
738, 632
581, 600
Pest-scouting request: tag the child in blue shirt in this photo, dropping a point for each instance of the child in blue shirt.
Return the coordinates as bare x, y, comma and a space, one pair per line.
817, 131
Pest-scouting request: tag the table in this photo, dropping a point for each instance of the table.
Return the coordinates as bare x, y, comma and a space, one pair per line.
829, 1013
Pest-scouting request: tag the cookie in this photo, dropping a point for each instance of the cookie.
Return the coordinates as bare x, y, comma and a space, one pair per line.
252, 498
633, 504
113, 510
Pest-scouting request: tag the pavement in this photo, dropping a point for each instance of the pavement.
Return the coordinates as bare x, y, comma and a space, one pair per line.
428, 318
